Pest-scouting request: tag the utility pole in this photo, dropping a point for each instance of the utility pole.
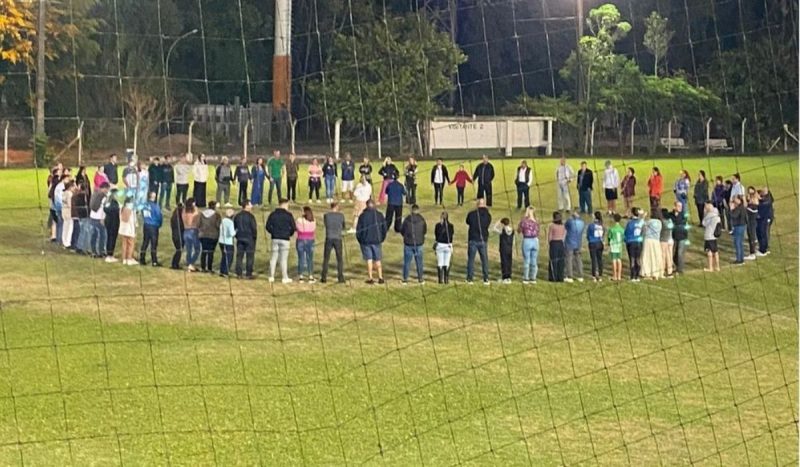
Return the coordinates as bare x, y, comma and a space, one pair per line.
579, 97
282, 60
40, 65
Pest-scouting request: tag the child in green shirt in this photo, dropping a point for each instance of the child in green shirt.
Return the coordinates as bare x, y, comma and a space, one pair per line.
616, 239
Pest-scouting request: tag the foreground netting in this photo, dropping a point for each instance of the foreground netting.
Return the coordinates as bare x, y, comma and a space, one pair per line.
103, 363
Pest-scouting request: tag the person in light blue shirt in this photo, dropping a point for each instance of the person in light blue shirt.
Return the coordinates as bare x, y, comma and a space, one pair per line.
227, 233
572, 242
151, 214
634, 237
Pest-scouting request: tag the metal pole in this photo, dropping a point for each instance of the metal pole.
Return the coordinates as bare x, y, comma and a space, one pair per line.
5, 146
591, 138
293, 128
41, 59
136, 140
244, 141
337, 131
708, 135
80, 145
419, 141
744, 124
669, 136
380, 153
549, 150
633, 123
189, 143
281, 60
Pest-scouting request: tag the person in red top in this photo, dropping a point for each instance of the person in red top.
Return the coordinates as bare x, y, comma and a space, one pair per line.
655, 185
460, 180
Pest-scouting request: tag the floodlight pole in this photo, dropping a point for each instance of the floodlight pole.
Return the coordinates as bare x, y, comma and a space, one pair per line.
293, 128
189, 144
166, 78
5, 145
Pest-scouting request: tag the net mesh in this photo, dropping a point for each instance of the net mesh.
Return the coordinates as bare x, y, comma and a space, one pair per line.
111, 364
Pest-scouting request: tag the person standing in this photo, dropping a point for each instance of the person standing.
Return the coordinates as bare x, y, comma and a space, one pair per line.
224, 176
737, 189
711, 233
82, 179
556, 233
365, 169
154, 175
739, 223
751, 209
111, 170
258, 174
152, 221
242, 177
523, 182
411, 181
176, 229
306, 230
460, 180
334, 227
99, 178
182, 172
314, 180
330, 173
244, 223
142, 187
362, 194
389, 173
478, 222
81, 234
628, 189
572, 245
655, 186
167, 179
680, 235
200, 181
652, 261
595, 234
110, 222
529, 228
191, 234
483, 176
58, 205
371, 233
616, 239
66, 215
395, 191
275, 175
281, 226
634, 237
208, 231
666, 240
564, 177
585, 186
127, 230
292, 168
227, 234
766, 217
701, 195
440, 177
413, 229
348, 177
506, 244
610, 185
443, 233
719, 201
681, 189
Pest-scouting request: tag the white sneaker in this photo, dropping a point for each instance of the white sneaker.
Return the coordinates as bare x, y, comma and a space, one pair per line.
580, 279
110, 259
311, 280
568, 279
487, 283
286, 280
301, 279
132, 262
525, 282
533, 282
190, 268
271, 279
228, 205
352, 231
758, 253
506, 281
750, 257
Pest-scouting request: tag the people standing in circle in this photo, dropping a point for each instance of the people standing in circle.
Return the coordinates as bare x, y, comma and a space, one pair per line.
595, 234
655, 186
292, 168
628, 189
281, 226
182, 173
634, 237
191, 235
200, 181
330, 173
223, 176
411, 181
334, 227
610, 186
275, 176
209, 223
701, 195
585, 186
652, 260
529, 228
460, 180
258, 174
564, 177
483, 176
681, 189
244, 223
395, 192
348, 178
243, 177
314, 180
523, 181
371, 232
478, 220
389, 173
306, 230
572, 245
711, 233
440, 177
443, 247
414, 229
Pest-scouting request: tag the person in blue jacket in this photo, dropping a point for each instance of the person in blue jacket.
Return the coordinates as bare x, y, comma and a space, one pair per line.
371, 231
634, 237
572, 243
595, 234
395, 194
151, 213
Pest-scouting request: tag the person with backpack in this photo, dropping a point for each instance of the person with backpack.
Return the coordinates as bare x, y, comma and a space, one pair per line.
712, 229
443, 247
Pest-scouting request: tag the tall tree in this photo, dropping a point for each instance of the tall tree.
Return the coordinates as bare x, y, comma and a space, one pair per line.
657, 37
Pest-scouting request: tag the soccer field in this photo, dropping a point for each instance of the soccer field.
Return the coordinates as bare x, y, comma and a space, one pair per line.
104, 364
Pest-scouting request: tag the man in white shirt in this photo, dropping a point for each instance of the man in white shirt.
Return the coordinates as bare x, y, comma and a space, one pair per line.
182, 172
610, 185
523, 181
362, 194
564, 177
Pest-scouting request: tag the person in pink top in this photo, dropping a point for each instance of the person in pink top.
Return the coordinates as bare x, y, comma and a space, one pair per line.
314, 180
100, 177
306, 230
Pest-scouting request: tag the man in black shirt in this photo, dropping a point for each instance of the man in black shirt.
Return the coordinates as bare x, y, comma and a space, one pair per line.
483, 176
478, 221
585, 185
110, 169
154, 175
680, 235
167, 179
246, 234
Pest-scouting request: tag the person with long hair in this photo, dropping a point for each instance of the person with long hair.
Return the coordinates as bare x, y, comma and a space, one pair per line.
314, 180
82, 179
208, 231
258, 174
176, 229
127, 231
443, 234
628, 189
306, 229
191, 236
681, 189
460, 181
200, 170
556, 233
439, 178
701, 195
389, 173
652, 259
595, 234
655, 186
411, 181
330, 173
666, 241
529, 229
99, 178
634, 237
719, 200
751, 209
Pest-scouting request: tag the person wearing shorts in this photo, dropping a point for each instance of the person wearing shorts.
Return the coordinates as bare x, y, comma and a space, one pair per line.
711, 229
371, 232
610, 185
616, 236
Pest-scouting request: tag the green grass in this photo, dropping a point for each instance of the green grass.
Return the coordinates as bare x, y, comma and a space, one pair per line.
104, 364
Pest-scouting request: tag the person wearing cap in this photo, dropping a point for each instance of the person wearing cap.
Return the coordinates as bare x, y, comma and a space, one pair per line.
585, 187
227, 233
610, 187
395, 193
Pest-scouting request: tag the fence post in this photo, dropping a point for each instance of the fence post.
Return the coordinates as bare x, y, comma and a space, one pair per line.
380, 153
419, 140
708, 135
244, 141
189, 143
509, 138
80, 145
136, 139
669, 135
591, 138
5, 145
633, 122
744, 124
337, 135
549, 150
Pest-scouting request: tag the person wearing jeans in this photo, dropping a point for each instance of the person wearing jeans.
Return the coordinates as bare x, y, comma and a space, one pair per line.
413, 229
334, 226
478, 221
281, 226
585, 186
152, 223
444, 232
529, 228
594, 237
634, 237
306, 228
330, 172
191, 235
167, 179
208, 230
227, 233
244, 223
680, 235
572, 244
739, 223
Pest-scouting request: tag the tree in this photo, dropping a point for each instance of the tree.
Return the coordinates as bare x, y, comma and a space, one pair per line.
143, 110
387, 74
16, 24
657, 37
